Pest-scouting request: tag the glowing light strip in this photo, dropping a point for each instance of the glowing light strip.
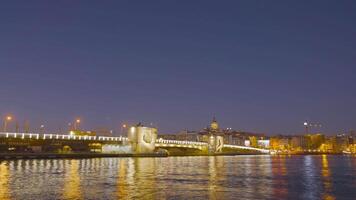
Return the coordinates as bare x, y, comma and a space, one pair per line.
247, 148
62, 137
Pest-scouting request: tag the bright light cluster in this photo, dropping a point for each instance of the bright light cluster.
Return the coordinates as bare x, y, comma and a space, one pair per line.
60, 137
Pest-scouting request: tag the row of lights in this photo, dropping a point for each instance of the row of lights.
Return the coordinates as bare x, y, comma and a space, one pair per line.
9, 118
76, 123
56, 136
179, 142
248, 148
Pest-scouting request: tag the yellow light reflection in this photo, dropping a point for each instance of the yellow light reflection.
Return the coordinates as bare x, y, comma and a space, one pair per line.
212, 178
121, 180
279, 170
325, 166
147, 168
216, 169
72, 182
284, 171
4, 182
325, 171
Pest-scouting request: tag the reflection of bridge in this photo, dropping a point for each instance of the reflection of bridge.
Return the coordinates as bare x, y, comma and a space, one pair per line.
40, 139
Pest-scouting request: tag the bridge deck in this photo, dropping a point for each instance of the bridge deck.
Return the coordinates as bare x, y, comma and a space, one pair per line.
159, 142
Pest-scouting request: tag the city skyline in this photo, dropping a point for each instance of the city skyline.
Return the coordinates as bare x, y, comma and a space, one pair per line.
10, 123
255, 66
177, 99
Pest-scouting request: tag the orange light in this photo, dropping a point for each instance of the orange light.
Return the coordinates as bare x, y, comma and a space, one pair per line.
78, 120
124, 125
8, 118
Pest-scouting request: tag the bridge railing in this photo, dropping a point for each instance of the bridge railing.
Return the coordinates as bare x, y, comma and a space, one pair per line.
247, 148
181, 142
38, 136
190, 144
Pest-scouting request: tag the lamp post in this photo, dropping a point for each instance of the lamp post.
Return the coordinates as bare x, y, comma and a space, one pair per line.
70, 127
306, 127
122, 128
76, 124
309, 125
6, 121
42, 129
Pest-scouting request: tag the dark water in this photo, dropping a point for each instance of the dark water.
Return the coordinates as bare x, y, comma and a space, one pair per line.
230, 177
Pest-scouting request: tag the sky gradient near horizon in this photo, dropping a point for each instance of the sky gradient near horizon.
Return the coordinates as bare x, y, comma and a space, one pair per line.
257, 66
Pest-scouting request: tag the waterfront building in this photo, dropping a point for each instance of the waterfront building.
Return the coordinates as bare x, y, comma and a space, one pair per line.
263, 144
254, 142
342, 142
280, 142
299, 142
229, 136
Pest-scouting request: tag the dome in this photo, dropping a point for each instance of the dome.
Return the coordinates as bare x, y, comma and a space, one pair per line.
214, 125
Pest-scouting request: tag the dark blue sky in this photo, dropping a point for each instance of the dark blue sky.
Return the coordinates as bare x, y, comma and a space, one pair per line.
257, 65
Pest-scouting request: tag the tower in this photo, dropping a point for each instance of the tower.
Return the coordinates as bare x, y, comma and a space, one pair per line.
142, 139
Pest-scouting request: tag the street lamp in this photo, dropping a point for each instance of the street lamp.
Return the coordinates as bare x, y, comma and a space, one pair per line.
42, 129
7, 120
76, 124
122, 128
306, 127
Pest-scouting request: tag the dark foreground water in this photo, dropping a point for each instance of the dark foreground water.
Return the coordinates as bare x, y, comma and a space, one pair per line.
221, 177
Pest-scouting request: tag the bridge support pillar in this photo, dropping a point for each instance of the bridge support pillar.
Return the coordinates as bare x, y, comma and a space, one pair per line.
142, 139
216, 143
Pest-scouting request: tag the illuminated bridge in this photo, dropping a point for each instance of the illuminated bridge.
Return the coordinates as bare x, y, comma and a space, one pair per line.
110, 144
200, 145
37, 136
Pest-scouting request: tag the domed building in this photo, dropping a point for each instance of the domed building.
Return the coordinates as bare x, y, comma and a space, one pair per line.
213, 136
214, 126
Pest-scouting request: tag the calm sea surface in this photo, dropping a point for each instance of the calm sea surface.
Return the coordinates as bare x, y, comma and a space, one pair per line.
220, 177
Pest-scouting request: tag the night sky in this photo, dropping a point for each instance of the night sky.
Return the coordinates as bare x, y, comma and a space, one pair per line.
260, 66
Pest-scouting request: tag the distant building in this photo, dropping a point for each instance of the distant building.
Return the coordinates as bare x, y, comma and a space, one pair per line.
299, 142
260, 143
263, 143
213, 136
229, 136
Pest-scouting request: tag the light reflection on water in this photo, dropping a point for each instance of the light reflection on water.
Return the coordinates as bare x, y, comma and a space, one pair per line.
220, 177
72, 188
4, 181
